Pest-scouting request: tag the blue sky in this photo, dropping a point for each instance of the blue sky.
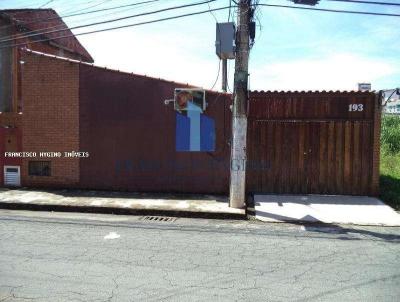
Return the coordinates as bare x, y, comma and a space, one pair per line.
294, 49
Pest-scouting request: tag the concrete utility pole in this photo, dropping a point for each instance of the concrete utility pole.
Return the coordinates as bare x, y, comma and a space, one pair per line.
239, 118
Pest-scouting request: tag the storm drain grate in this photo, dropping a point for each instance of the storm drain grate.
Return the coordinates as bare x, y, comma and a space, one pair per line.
158, 218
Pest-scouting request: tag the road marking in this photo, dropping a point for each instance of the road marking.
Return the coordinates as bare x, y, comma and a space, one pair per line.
112, 235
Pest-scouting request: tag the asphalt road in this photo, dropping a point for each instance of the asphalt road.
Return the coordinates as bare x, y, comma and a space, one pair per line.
91, 257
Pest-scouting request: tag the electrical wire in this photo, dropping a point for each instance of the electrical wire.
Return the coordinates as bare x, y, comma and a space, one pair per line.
83, 13
108, 21
257, 14
270, 5
219, 71
197, 13
92, 6
47, 3
229, 13
219, 64
63, 26
367, 2
330, 10
117, 27
209, 8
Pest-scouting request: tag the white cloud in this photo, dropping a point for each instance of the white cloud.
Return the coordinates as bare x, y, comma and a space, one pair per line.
332, 72
301, 59
175, 56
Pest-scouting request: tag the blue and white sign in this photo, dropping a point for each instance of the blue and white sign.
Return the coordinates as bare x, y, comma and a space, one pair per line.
195, 131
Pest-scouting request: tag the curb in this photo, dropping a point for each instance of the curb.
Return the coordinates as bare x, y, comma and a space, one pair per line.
118, 211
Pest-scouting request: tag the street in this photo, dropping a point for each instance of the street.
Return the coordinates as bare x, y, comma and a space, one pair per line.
48, 256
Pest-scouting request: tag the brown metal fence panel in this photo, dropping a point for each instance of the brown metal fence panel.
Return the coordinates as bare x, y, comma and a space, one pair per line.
311, 143
130, 135
298, 143
311, 105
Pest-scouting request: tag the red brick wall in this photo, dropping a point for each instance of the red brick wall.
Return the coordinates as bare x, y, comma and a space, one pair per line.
50, 119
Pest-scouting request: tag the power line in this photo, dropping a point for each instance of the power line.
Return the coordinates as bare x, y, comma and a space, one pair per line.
331, 10
367, 2
229, 14
212, 14
193, 14
150, 1
108, 21
47, 3
83, 13
92, 6
216, 80
42, 30
119, 27
219, 63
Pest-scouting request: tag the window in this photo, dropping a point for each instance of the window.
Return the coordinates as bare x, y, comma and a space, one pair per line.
6, 76
39, 168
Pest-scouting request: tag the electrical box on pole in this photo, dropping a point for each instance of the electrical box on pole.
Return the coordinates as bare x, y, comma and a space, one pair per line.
225, 40
225, 47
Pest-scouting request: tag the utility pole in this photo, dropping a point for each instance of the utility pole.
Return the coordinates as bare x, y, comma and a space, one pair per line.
239, 119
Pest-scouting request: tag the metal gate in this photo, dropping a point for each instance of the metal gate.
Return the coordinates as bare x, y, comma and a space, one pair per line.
312, 143
298, 157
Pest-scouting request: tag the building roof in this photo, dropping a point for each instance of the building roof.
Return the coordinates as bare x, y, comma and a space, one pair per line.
40, 19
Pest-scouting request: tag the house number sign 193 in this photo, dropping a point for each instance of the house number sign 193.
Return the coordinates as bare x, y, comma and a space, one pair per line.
356, 107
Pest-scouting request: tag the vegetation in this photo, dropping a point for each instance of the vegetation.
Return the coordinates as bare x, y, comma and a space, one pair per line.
390, 161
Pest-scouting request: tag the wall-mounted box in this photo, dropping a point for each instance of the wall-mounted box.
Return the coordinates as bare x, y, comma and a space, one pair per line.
225, 40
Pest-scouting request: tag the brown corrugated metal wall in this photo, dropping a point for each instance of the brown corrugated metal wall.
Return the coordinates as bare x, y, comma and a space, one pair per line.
130, 135
311, 143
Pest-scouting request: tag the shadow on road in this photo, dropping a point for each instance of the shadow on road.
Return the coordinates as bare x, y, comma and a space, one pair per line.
317, 226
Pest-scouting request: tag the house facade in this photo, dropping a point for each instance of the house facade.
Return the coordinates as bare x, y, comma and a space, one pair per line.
69, 124
393, 107
113, 130
19, 29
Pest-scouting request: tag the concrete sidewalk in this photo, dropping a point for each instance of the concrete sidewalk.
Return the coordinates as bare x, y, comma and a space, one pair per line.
269, 208
206, 206
325, 209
